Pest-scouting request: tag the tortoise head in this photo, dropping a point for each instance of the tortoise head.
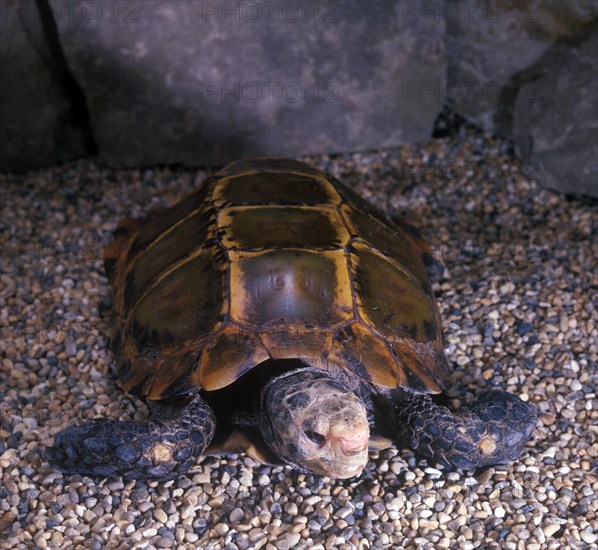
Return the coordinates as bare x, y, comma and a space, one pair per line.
314, 424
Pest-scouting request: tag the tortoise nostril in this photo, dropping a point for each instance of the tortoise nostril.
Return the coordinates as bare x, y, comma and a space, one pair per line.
316, 437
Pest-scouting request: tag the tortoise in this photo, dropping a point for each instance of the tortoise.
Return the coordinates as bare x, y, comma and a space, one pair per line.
278, 305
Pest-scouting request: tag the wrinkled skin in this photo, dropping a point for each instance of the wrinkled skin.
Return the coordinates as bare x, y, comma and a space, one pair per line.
314, 424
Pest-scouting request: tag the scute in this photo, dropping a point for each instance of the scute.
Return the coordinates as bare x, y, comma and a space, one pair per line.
163, 253
231, 354
184, 304
160, 221
267, 188
276, 227
175, 373
390, 298
368, 355
424, 367
393, 243
290, 344
271, 259
290, 288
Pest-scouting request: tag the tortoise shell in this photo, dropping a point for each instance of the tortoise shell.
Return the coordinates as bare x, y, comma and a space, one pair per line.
271, 259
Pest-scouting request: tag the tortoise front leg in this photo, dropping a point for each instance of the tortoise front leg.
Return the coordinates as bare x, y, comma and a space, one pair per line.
494, 431
163, 447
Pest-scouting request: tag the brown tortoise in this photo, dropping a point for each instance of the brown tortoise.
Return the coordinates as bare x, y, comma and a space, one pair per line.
276, 265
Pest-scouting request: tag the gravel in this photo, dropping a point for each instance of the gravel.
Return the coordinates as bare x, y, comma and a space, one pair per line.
518, 299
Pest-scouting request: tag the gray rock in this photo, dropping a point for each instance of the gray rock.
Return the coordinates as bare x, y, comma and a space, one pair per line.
40, 120
555, 120
492, 45
207, 82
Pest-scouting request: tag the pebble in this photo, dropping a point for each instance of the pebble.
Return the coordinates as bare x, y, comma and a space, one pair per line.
587, 537
71, 349
292, 539
291, 508
221, 528
344, 511
160, 515
263, 480
236, 515
551, 529
187, 511
516, 300
164, 542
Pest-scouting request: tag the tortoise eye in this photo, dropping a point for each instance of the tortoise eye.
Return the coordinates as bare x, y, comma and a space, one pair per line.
316, 437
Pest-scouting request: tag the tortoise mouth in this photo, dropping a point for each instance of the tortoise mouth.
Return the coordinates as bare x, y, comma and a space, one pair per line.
350, 439
341, 465
344, 439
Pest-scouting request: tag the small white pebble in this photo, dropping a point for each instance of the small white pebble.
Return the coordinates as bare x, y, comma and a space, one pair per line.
292, 539
221, 528
160, 515
187, 511
344, 511
263, 480
291, 508
587, 537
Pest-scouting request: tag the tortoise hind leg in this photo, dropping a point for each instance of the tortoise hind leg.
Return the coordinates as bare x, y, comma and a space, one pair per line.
494, 431
163, 447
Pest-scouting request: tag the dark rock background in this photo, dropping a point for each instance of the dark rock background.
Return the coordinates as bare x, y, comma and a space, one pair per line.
200, 83
42, 111
209, 82
555, 127
494, 49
